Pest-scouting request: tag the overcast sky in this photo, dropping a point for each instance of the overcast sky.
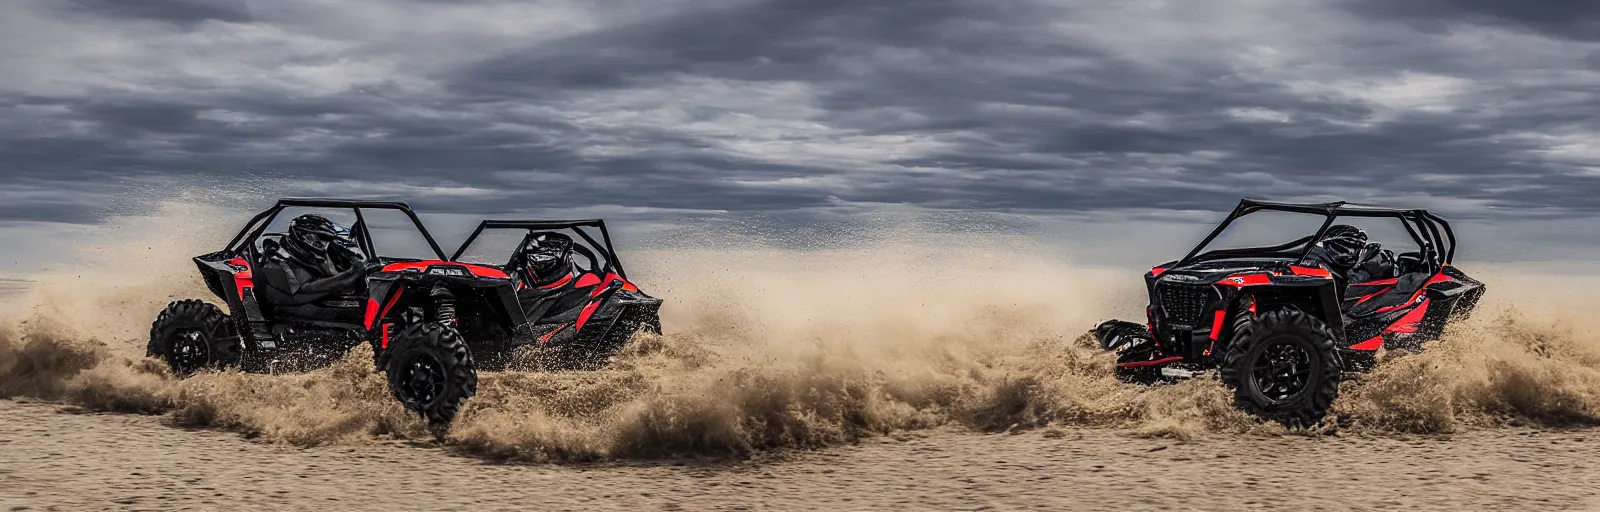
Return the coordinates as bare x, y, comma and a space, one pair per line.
1486, 110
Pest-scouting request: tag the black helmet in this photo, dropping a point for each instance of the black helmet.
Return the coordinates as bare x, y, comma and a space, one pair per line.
309, 236
547, 254
1344, 244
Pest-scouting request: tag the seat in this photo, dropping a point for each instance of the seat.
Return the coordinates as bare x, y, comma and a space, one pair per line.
1377, 265
1410, 262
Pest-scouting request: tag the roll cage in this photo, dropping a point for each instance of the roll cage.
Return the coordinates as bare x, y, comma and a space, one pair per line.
1431, 233
363, 238
609, 253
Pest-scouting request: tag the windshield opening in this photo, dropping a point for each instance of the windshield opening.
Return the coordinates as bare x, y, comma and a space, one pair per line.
499, 247
1264, 234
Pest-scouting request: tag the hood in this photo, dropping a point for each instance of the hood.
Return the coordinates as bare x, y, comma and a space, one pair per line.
1216, 271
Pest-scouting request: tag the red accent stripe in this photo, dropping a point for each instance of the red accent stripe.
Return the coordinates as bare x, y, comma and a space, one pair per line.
587, 280
243, 280
1373, 344
386, 335
603, 284
406, 265
1309, 271
1216, 325
552, 334
588, 310
392, 301
1437, 278
477, 270
1156, 272
557, 284
1403, 305
1150, 363
1379, 292
1408, 323
372, 312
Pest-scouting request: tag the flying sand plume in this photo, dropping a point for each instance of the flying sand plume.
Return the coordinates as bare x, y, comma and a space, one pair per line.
769, 349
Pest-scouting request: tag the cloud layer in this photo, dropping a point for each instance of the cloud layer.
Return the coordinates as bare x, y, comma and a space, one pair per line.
1480, 108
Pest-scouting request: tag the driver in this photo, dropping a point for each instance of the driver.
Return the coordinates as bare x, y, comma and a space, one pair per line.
547, 258
1347, 253
314, 261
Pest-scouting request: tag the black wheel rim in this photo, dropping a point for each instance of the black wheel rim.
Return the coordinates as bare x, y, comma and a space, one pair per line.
421, 380
1282, 371
189, 351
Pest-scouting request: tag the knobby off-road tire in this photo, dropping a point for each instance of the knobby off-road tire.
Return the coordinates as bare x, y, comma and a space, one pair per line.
193, 335
432, 372
1282, 366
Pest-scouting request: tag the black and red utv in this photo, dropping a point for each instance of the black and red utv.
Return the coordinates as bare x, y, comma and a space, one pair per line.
429, 319
1281, 322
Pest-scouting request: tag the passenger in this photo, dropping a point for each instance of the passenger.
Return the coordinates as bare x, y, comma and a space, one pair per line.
547, 258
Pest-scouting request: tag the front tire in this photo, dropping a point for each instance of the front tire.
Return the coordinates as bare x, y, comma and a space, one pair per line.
192, 335
431, 372
1282, 366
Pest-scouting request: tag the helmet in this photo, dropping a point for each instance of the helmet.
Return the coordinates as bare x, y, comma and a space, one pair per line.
547, 254
1344, 244
309, 236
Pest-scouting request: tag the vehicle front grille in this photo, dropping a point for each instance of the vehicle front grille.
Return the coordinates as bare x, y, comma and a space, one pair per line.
1183, 305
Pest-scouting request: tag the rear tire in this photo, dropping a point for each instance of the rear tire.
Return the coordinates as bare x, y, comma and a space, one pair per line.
431, 372
193, 335
1282, 366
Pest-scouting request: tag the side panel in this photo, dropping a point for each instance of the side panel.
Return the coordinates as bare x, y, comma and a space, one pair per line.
1408, 321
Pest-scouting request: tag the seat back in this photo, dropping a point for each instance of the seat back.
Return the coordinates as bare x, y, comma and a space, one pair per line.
1410, 263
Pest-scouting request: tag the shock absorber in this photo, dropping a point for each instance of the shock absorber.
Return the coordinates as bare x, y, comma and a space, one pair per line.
444, 305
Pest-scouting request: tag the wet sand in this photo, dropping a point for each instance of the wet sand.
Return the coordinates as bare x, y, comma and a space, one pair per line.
53, 457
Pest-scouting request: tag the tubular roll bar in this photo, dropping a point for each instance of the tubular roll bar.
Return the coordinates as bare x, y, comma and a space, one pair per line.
1431, 233
259, 223
532, 225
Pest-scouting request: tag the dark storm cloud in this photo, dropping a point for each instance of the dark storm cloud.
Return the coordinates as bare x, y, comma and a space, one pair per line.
181, 12
1576, 19
788, 104
804, 40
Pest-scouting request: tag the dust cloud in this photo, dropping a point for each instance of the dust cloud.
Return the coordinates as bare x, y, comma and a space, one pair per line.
772, 349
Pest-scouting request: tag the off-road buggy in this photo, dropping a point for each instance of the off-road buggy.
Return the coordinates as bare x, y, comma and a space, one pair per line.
432, 322
1280, 326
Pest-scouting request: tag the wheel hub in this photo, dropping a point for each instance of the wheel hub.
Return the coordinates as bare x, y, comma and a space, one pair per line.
1282, 371
189, 351
423, 380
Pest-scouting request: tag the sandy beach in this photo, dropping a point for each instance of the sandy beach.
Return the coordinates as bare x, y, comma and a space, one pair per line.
55, 457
